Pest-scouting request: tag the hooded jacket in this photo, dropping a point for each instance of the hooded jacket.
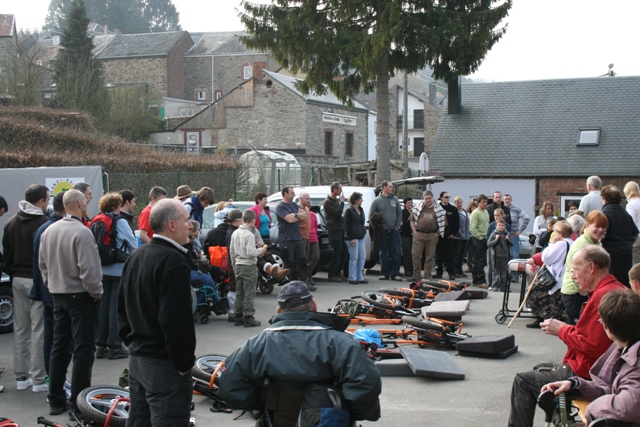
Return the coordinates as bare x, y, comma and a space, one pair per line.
17, 241
316, 350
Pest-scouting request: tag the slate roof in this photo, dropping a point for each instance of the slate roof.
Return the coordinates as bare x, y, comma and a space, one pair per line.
327, 99
140, 45
219, 43
530, 129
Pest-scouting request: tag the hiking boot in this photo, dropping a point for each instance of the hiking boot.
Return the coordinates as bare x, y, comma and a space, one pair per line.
250, 322
101, 352
118, 353
239, 320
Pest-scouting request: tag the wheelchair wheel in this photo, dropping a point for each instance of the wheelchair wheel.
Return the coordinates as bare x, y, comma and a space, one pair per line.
265, 287
204, 319
95, 403
501, 317
377, 300
205, 365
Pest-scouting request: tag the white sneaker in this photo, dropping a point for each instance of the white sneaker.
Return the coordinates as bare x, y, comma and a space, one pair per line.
23, 383
40, 388
67, 389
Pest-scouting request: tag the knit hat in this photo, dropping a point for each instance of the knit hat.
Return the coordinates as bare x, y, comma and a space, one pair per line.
183, 192
294, 294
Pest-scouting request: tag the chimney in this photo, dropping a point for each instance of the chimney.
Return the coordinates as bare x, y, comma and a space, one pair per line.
454, 97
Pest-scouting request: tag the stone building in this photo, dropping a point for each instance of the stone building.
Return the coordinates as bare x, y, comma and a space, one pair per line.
270, 114
154, 59
218, 62
540, 140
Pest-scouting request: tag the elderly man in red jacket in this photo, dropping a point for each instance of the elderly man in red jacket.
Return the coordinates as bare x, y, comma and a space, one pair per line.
586, 341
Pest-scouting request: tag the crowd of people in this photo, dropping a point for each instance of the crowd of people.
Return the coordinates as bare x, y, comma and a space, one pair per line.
72, 305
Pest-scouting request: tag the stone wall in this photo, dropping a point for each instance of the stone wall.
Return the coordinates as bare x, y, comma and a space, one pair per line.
175, 66
152, 71
228, 72
282, 120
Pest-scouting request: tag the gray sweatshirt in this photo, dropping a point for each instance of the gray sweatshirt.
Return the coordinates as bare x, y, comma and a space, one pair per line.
390, 209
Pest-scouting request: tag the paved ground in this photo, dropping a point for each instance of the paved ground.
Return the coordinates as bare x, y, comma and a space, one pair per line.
481, 399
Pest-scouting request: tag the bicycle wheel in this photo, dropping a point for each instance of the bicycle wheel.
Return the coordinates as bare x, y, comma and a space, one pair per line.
205, 365
95, 403
377, 299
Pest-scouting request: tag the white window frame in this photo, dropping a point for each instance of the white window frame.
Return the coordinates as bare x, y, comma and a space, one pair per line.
201, 95
247, 72
589, 136
566, 199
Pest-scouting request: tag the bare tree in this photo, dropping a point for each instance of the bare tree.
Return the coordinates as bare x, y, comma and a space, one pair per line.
22, 75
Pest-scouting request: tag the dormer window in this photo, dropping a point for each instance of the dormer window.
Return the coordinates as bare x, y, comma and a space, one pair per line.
589, 136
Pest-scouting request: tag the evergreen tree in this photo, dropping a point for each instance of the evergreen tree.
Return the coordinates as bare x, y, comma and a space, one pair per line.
350, 46
78, 76
56, 19
161, 15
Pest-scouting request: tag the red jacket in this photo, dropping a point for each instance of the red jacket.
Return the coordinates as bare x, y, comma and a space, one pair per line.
587, 340
257, 209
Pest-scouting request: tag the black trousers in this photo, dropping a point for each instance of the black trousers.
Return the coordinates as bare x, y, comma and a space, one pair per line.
160, 396
75, 320
479, 260
526, 389
445, 256
573, 306
294, 256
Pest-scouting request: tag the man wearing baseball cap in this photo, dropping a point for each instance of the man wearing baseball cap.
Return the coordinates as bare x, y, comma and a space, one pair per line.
317, 363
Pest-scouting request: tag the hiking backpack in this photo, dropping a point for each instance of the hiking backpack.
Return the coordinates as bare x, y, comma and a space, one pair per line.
103, 227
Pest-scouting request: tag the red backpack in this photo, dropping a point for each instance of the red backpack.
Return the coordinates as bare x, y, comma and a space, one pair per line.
103, 227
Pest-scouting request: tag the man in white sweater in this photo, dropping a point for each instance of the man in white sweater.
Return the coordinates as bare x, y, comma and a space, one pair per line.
244, 255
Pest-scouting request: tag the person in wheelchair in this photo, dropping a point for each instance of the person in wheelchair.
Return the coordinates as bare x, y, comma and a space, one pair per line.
200, 266
614, 388
586, 341
330, 373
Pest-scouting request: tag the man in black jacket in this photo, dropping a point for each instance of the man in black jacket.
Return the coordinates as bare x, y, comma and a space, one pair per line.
325, 355
498, 203
333, 207
444, 249
156, 321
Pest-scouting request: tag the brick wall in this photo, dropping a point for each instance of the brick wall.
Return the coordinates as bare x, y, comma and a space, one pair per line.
553, 188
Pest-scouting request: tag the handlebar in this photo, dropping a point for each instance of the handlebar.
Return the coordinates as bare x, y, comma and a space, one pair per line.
46, 422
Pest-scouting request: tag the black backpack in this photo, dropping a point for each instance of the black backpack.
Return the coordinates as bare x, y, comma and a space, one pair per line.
103, 227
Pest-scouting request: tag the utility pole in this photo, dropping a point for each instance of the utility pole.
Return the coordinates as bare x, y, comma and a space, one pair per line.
405, 127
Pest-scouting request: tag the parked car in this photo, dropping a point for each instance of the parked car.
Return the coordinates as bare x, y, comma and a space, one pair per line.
319, 193
6, 305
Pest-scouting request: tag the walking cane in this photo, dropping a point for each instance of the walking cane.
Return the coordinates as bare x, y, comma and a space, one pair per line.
524, 301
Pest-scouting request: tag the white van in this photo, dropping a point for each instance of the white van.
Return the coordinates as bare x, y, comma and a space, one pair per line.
320, 192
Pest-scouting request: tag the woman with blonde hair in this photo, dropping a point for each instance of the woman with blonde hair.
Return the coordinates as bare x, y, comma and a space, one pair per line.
540, 224
632, 193
593, 230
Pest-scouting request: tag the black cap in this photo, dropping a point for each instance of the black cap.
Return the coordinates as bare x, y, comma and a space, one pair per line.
294, 294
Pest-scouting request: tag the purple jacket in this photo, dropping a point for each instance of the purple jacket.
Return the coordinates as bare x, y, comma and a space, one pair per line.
614, 396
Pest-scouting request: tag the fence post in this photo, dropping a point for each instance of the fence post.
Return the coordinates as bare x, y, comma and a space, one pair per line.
235, 184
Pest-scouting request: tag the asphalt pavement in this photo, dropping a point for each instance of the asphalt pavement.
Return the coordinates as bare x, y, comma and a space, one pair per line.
481, 399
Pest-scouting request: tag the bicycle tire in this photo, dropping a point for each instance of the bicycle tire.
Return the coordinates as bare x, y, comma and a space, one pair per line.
205, 365
94, 402
376, 301
421, 323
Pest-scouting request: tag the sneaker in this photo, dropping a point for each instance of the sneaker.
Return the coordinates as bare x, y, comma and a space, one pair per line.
67, 389
363, 282
335, 279
353, 282
383, 278
341, 277
397, 278
496, 289
311, 287
118, 353
1, 388
102, 352
250, 322
23, 383
57, 410
40, 388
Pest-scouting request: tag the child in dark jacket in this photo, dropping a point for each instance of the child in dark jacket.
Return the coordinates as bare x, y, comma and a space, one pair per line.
500, 243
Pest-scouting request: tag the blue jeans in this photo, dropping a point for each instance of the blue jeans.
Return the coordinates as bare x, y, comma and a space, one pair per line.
339, 258
108, 318
75, 320
515, 249
357, 255
390, 253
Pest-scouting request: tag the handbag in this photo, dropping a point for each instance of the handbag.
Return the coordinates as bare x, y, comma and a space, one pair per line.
545, 280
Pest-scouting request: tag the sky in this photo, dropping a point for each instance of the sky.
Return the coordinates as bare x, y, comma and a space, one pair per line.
545, 39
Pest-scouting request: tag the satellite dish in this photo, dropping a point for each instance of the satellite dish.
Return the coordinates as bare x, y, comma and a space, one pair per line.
424, 164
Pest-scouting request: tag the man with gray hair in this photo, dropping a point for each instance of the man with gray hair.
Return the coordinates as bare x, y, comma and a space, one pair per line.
155, 317
387, 206
593, 200
329, 365
519, 222
586, 340
427, 222
84, 188
71, 270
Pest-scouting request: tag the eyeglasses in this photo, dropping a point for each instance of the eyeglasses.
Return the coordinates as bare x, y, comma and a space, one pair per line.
446, 197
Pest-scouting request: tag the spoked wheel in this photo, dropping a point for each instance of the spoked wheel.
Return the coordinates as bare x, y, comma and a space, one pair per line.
205, 365
379, 299
95, 403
